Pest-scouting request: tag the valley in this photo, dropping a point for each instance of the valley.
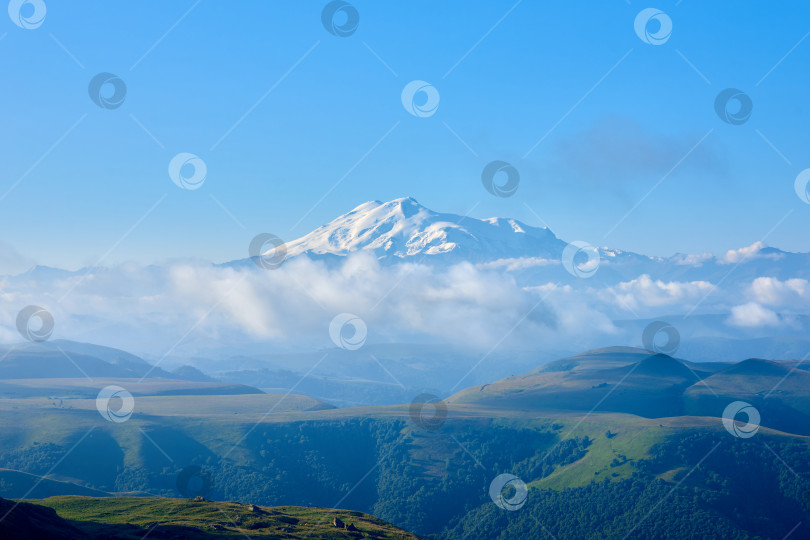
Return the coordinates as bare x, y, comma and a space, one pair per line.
576, 431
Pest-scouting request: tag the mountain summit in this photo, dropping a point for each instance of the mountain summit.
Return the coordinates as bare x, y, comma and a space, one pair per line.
403, 228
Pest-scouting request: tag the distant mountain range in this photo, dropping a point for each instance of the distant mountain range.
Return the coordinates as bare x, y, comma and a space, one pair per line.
402, 231
510, 266
635, 381
66, 359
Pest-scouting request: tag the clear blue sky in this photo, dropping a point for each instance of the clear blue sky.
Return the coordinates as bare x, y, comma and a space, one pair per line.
509, 91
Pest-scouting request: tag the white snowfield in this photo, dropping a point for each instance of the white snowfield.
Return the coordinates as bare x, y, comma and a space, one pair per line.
403, 228
404, 231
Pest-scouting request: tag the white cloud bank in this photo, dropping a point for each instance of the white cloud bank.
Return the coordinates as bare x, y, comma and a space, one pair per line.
753, 315
646, 292
193, 308
774, 292
153, 308
754, 251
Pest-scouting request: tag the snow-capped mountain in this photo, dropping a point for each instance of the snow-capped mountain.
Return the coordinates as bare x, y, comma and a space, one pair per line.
476, 279
403, 229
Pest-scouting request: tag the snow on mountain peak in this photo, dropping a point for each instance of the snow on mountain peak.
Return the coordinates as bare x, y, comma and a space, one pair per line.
403, 228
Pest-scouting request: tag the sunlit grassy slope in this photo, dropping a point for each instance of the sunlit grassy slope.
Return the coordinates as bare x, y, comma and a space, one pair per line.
134, 517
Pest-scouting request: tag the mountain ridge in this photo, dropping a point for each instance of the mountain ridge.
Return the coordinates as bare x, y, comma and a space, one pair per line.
403, 230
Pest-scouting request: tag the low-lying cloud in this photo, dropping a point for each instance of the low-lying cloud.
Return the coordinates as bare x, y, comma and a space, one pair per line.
194, 308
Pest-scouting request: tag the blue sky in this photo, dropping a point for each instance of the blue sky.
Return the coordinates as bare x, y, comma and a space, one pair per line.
84, 188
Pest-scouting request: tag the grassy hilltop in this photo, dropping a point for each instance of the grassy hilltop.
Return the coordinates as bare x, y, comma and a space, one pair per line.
133, 518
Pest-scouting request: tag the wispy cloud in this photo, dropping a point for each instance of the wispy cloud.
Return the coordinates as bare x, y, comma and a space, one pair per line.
148, 309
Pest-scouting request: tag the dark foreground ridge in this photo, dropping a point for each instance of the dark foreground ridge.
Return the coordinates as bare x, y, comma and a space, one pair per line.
125, 518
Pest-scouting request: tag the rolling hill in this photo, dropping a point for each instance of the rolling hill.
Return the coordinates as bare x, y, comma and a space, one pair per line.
633, 437
124, 518
634, 381
63, 358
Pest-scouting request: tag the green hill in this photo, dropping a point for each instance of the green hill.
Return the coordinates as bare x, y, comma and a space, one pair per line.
632, 381
635, 441
780, 393
124, 518
70, 359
